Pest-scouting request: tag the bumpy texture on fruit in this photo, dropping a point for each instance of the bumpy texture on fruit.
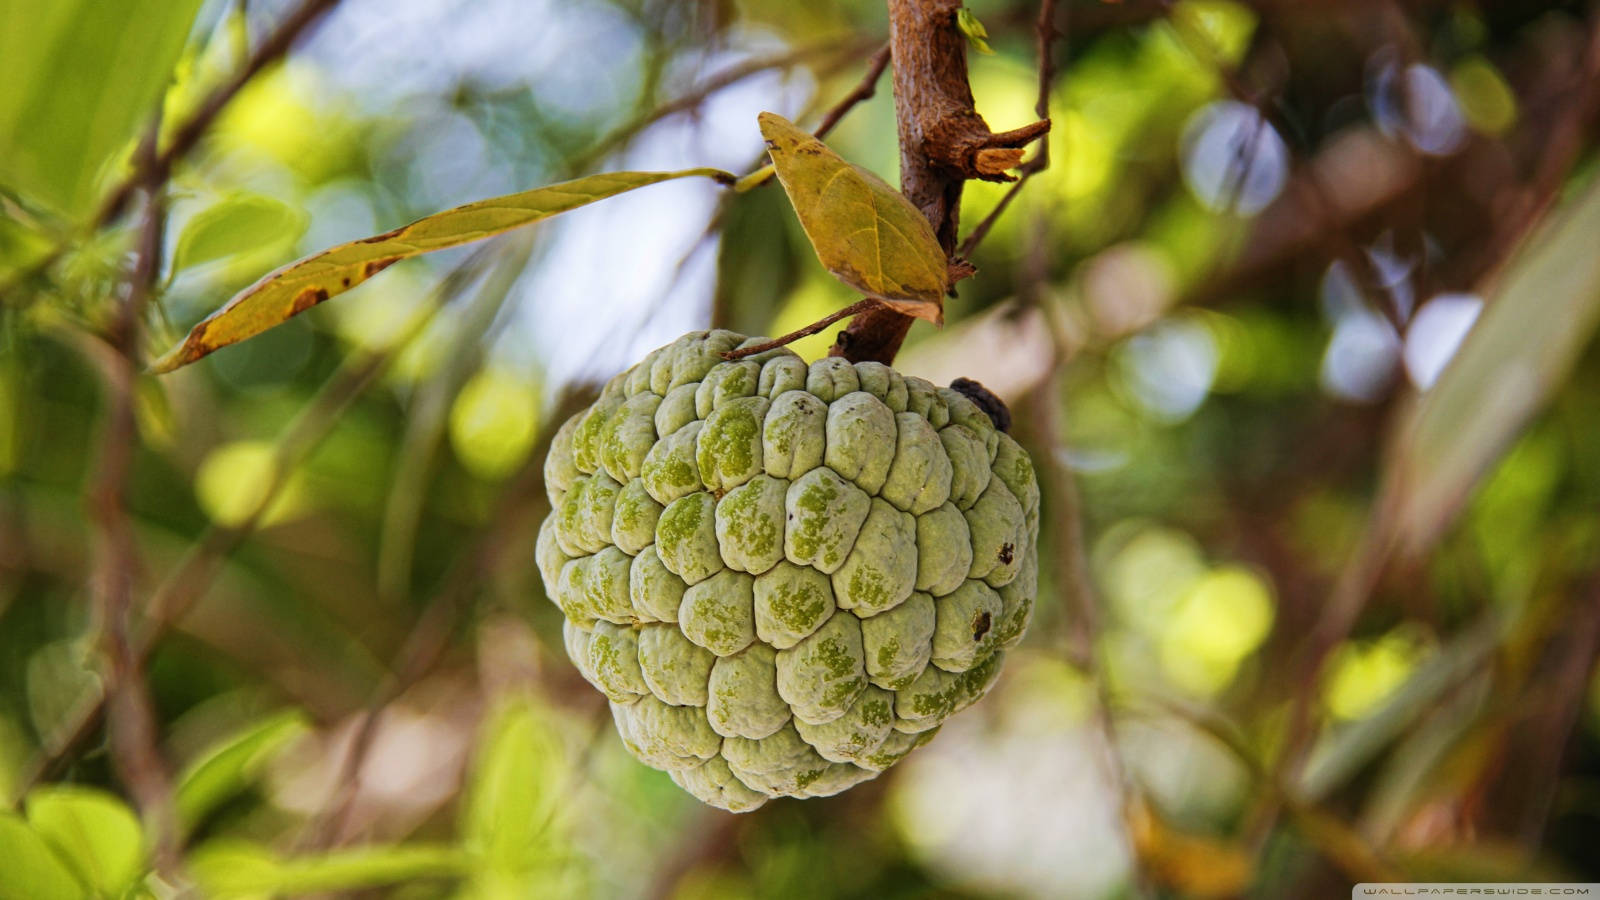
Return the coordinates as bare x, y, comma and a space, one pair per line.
785, 577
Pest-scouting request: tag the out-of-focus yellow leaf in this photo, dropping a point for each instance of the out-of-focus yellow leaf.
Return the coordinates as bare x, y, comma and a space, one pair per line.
1539, 316
864, 231
301, 285
1194, 866
1364, 674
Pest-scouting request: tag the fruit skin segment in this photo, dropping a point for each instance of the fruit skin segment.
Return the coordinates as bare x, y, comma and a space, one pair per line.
785, 577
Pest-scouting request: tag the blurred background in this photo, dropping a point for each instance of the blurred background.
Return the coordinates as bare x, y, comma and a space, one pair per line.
1296, 325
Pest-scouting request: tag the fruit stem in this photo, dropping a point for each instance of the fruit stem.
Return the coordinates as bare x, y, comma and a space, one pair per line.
858, 307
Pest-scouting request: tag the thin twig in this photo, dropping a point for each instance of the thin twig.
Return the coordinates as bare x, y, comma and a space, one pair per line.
1045, 34
1082, 605
1080, 601
861, 93
702, 92
981, 230
860, 306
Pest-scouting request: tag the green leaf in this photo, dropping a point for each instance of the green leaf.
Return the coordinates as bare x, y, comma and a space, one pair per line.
60, 678
301, 285
974, 30
31, 871
93, 831
515, 784
237, 224
864, 231
230, 766
80, 77
1537, 319
238, 868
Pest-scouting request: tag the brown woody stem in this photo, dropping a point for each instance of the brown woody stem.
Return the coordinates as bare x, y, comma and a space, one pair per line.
943, 143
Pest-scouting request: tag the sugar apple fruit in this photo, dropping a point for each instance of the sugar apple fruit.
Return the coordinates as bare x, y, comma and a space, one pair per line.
785, 577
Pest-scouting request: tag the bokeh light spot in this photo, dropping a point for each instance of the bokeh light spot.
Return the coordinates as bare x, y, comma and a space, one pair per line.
493, 423
1436, 333
1486, 100
1363, 674
1233, 159
233, 480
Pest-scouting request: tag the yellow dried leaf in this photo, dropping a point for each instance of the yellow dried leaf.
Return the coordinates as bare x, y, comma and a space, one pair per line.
1193, 865
864, 231
301, 285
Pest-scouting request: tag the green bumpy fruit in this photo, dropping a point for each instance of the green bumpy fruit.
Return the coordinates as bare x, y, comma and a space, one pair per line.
785, 577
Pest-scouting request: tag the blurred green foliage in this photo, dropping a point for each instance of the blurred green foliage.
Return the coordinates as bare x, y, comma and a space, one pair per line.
1249, 397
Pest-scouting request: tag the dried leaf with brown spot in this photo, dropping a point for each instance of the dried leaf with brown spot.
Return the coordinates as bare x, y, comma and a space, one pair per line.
301, 285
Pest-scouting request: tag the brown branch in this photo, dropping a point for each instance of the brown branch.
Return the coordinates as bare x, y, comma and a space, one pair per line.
943, 143
133, 730
188, 580
1079, 600
422, 647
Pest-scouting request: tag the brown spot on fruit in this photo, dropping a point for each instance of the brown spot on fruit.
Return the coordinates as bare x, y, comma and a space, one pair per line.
980, 626
306, 299
1007, 553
